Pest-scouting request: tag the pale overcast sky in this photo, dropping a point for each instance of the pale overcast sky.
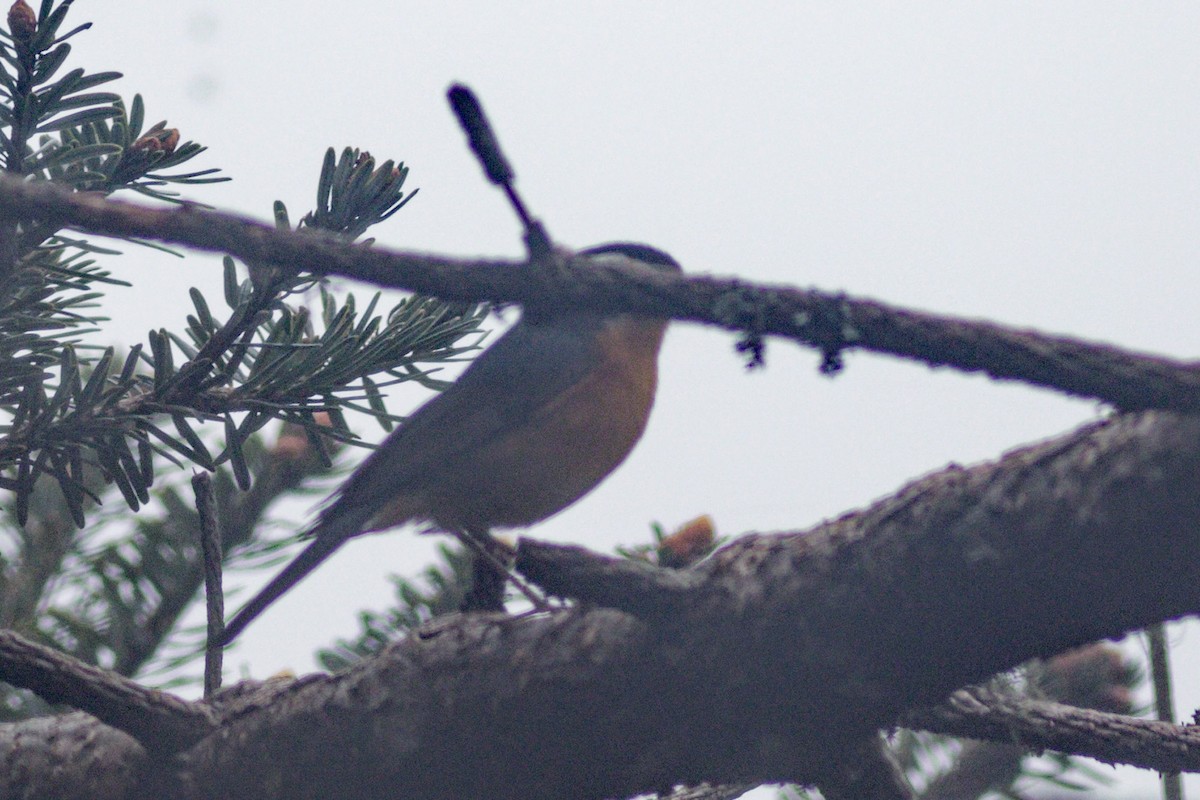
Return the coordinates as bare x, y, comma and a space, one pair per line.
1029, 163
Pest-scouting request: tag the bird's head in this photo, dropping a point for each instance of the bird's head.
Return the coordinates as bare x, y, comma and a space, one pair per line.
634, 333
638, 252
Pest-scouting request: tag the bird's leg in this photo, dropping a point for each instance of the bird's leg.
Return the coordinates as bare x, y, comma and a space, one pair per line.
489, 573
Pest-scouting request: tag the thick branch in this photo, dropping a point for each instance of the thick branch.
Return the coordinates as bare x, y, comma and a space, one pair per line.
792, 647
829, 322
69, 757
788, 651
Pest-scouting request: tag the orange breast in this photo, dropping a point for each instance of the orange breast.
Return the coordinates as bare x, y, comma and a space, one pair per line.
566, 448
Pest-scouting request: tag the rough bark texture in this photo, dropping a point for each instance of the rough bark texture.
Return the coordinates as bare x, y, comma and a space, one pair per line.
69, 757
780, 656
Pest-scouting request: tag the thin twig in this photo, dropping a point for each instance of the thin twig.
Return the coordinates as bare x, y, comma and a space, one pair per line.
288, 463
1164, 706
210, 544
1038, 725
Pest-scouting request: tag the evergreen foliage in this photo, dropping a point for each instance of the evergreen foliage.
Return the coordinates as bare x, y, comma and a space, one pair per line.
86, 427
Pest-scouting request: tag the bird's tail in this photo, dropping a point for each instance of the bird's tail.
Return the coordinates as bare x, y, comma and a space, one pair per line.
308, 560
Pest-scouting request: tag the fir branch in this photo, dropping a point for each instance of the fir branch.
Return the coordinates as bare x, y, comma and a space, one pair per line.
78, 416
266, 360
159, 563
86, 142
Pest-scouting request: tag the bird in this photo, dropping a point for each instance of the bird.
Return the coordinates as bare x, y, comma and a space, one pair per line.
535, 422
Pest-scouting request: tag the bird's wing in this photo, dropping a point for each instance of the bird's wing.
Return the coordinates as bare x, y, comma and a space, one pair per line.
526, 369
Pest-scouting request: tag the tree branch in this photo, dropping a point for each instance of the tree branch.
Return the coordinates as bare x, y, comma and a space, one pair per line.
829, 322
787, 652
1096, 676
161, 722
978, 713
69, 757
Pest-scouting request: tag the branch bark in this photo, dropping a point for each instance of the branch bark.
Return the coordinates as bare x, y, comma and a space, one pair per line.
786, 653
832, 323
1037, 725
161, 722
